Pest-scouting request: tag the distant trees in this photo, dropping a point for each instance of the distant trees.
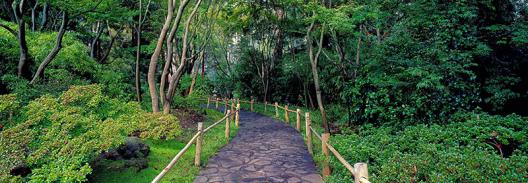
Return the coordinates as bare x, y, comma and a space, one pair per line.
380, 61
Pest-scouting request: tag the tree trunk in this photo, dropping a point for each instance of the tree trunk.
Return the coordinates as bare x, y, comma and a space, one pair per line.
358, 49
310, 98
33, 16
314, 57
138, 57
178, 73
54, 51
22, 69
195, 73
44, 16
93, 46
170, 50
107, 52
138, 53
151, 76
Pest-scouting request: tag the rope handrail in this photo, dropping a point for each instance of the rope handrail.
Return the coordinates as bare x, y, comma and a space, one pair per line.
316, 134
291, 111
175, 159
190, 142
359, 170
216, 123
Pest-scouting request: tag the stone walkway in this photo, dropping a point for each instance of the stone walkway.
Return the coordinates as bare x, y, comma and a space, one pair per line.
264, 150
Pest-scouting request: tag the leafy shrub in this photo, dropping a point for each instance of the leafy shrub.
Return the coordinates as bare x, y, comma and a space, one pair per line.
476, 148
9, 51
59, 81
57, 138
8, 107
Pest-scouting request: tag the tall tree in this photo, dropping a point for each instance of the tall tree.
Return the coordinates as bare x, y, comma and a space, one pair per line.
314, 60
151, 76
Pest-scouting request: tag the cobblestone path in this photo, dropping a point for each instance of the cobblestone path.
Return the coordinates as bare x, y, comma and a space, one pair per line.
264, 150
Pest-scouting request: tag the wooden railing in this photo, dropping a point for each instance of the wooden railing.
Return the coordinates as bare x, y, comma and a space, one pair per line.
359, 170
198, 139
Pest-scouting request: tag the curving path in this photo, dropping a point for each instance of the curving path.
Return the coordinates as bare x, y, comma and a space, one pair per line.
264, 150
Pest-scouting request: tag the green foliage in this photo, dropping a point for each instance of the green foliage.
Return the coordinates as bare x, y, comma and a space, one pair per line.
463, 151
162, 152
201, 89
9, 51
72, 66
58, 137
8, 107
422, 71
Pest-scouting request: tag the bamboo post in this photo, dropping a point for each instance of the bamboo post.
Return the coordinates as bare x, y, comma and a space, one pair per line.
232, 108
286, 114
360, 173
225, 106
298, 124
237, 115
326, 169
198, 151
208, 101
227, 130
216, 103
276, 110
308, 133
252, 101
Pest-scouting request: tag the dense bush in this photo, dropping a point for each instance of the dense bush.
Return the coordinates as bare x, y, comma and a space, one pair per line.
8, 107
57, 138
9, 51
476, 148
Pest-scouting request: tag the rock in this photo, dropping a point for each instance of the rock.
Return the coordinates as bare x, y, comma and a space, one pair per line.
133, 154
20, 170
133, 148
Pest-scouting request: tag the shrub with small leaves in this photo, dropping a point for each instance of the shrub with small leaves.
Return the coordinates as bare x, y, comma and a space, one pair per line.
474, 148
58, 137
8, 106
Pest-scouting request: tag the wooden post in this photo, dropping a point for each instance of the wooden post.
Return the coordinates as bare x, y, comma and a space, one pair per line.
286, 114
308, 133
227, 126
276, 110
252, 101
198, 151
360, 173
237, 115
232, 108
326, 168
225, 107
208, 101
216, 103
298, 124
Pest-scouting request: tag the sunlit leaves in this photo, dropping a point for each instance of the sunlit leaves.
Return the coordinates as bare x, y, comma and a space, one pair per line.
57, 138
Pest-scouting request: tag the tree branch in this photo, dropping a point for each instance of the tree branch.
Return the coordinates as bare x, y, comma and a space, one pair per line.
9, 29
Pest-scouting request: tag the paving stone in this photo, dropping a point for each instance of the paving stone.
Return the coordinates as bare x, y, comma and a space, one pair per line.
264, 150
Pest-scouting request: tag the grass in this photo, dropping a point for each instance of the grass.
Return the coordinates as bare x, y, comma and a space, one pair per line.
162, 152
